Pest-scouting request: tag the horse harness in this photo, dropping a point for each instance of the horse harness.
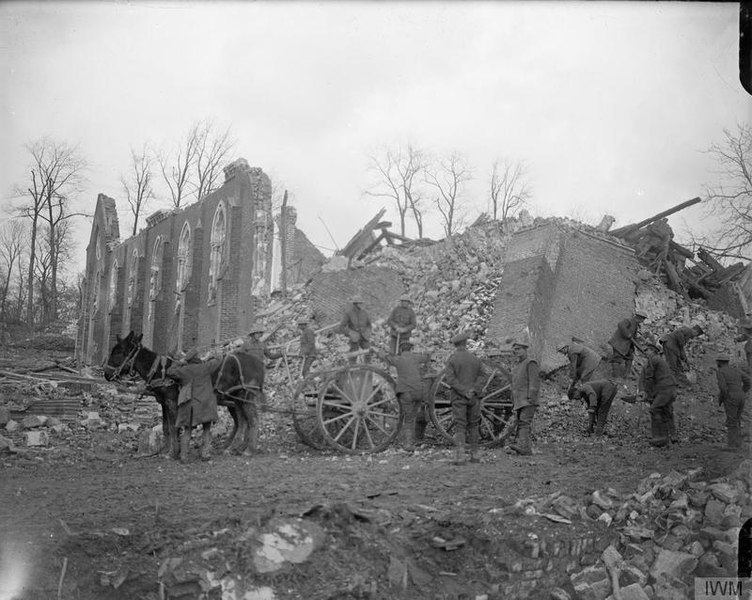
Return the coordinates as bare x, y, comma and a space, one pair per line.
246, 387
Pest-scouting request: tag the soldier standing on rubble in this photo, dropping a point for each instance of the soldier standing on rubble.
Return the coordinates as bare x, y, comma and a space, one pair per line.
658, 386
583, 361
308, 349
410, 388
462, 371
746, 336
598, 396
673, 347
255, 346
401, 323
356, 325
733, 385
197, 402
525, 389
622, 343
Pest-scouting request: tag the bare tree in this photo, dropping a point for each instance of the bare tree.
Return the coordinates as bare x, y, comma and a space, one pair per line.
177, 166
449, 175
138, 184
13, 241
56, 172
212, 151
398, 177
731, 199
508, 191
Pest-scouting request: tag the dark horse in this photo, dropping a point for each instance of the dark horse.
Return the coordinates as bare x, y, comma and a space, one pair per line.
238, 382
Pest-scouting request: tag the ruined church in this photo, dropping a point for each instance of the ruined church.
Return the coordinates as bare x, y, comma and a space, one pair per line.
194, 276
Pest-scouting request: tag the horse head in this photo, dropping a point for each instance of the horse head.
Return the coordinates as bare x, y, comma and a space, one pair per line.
122, 356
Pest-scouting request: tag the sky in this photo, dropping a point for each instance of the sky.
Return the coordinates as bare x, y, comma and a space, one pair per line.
610, 106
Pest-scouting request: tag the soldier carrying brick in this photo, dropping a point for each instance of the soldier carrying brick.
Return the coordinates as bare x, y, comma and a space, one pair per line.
401, 322
356, 325
622, 343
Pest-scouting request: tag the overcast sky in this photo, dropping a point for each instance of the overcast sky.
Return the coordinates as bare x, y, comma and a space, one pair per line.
609, 105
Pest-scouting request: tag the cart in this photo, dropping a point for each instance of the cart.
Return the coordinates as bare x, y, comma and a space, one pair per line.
495, 392
352, 408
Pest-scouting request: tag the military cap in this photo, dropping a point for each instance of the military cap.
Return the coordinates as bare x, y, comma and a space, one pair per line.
563, 349
723, 358
405, 298
520, 342
357, 299
460, 337
641, 314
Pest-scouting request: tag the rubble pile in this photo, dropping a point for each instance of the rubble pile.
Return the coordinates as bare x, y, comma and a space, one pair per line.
672, 529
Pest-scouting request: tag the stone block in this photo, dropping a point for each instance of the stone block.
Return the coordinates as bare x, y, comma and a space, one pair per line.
732, 516
150, 441
559, 594
33, 421
12, 426
630, 574
4, 415
53, 421
669, 588
714, 512
709, 566
674, 564
633, 591
726, 493
6, 446
36, 438
592, 583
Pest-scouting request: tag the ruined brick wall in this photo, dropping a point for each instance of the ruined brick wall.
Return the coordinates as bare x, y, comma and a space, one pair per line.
173, 319
594, 289
560, 282
331, 292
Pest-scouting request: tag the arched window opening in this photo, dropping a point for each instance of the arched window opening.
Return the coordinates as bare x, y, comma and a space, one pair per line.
217, 250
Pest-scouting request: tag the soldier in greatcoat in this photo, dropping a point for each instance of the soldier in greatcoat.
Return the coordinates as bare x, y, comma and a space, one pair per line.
356, 325
658, 385
401, 323
598, 396
583, 361
410, 388
308, 349
746, 337
461, 373
525, 389
733, 385
622, 344
197, 401
673, 347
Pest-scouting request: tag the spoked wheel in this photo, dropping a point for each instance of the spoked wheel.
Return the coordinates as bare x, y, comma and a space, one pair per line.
358, 410
305, 416
495, 407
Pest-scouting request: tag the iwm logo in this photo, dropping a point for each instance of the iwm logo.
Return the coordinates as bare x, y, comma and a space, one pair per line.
722, 588
736, 588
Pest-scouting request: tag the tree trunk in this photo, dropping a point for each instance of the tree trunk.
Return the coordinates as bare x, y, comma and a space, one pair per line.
30, 290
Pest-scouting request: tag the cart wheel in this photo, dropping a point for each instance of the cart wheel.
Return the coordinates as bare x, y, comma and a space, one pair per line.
305, 417
495, 408
358, 409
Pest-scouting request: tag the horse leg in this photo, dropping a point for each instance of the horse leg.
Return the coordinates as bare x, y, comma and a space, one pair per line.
185, 442
251, 414
170, 414
166, 434
231, 438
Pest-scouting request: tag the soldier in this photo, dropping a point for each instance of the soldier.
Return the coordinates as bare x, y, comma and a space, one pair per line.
658, 385
307, 345
197, 402
462, 371
673, 347
622, 343
733, 385
401, 323
598, 396
254, 345
746, 336
583, 361
410, 389
356, 325
525, 388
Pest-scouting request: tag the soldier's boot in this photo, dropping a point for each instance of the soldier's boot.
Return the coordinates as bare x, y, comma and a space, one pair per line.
733, 438
185, 443
658, 431
206, 440
459, 449
408, 431
522, 444
420, 430
591, 423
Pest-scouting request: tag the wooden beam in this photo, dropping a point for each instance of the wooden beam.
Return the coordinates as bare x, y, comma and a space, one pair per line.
622, 231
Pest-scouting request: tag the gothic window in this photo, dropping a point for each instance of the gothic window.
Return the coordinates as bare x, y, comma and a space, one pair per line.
185, 264
97, 290
155, 272
217, 250
132, 274
113, 284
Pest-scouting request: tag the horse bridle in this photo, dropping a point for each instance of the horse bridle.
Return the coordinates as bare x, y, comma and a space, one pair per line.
129, 361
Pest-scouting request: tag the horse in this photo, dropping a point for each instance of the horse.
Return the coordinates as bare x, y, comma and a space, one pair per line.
237, 382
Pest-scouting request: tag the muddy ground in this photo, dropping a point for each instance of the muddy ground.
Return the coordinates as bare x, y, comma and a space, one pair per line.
85, 518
